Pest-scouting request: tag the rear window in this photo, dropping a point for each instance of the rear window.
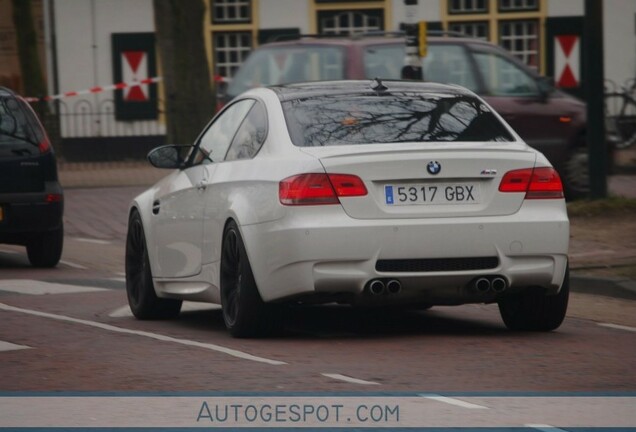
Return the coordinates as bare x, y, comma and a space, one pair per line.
17, 123
444, 63
391, 118
284, 65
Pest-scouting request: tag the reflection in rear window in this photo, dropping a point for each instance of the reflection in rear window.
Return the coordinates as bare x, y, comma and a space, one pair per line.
391, 118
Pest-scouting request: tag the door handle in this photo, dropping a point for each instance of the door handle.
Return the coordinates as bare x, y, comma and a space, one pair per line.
202, 185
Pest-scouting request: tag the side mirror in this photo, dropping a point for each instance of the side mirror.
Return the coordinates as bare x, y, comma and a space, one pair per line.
168, 156
546, 86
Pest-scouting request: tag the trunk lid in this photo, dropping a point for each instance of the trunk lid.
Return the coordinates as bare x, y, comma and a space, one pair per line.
401, 186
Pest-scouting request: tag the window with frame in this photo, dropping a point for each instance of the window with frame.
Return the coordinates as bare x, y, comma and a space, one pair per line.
231, 11
230, 50
518, 5
467, 6
216, 140
521, 38
250, 136
352, 21
478, 30
504, 78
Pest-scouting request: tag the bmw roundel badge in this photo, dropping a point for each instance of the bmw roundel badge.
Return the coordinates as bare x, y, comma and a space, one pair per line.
433, 167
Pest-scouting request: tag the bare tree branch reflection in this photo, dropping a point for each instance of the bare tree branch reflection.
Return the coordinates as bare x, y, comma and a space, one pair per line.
391, 118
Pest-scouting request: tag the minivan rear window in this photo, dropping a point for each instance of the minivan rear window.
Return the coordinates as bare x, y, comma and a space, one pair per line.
284, 65
376, 118
443, 63
17, 123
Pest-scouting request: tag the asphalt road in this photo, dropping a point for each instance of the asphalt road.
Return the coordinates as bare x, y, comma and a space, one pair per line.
68, 329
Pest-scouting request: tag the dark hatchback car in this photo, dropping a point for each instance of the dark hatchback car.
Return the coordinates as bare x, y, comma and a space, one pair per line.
547, 119
31, 198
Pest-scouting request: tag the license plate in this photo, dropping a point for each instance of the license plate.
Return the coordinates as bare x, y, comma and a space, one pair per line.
428, 193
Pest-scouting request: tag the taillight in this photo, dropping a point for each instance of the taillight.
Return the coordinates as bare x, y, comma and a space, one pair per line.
318, 189
537, 183
51, 198
44, 146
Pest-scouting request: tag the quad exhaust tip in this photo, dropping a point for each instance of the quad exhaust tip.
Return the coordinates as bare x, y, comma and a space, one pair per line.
498, 284
482, 285
378, 287
393, 286
492, 283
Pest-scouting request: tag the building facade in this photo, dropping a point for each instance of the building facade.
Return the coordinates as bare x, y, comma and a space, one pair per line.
91, 43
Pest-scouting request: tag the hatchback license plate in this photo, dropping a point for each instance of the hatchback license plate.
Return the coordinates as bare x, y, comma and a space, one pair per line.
428, 193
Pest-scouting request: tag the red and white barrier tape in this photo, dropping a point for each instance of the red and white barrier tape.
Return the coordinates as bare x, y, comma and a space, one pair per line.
98, 89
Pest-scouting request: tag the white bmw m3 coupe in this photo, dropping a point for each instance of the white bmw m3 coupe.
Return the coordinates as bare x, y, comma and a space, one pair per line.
366, 193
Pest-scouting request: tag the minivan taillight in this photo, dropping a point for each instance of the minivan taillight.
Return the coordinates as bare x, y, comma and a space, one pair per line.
537, 183
44, 146
53, 198
318, 189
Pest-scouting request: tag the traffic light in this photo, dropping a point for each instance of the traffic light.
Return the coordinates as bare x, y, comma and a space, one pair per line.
415, 50
421, 38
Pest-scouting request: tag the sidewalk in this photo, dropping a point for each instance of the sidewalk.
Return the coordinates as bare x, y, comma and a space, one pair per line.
591, 254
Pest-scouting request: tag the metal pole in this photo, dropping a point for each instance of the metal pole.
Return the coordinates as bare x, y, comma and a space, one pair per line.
412, 64
594, 90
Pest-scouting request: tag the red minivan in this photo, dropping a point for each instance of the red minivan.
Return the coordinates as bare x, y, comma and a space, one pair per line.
549, 120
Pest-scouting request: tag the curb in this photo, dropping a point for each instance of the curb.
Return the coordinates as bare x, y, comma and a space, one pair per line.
623, 288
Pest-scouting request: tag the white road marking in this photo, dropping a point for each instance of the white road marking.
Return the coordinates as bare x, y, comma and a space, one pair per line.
8, 346
350, 379
452, 401
124, 311
544, 428
10, 252
33, 287
118, 279
70, 264
90, 240
618, 327
114, 329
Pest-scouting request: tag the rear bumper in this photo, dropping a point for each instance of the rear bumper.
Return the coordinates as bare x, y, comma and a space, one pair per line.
321, 250
25, 215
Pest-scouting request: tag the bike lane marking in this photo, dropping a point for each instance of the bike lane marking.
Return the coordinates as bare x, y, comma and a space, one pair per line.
618, 327
34, 287
8, 346
349, 379
453, 401
163, 338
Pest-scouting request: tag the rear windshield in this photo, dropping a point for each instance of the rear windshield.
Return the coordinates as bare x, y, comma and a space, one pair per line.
284, 65
17, 123
443, 63
391, 118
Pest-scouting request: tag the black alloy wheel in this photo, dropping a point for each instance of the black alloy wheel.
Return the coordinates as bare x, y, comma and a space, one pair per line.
533, 310
244, 312
140, 290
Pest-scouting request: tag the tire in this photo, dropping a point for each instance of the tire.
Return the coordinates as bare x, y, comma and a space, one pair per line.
46, 250
576, 173
142, 299
244, 312
533, 310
